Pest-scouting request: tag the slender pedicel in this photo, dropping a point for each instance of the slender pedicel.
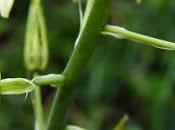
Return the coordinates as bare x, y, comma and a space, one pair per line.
120, 32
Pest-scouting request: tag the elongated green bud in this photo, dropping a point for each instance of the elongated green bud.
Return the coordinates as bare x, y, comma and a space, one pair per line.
16, 86
36, 48
5, 7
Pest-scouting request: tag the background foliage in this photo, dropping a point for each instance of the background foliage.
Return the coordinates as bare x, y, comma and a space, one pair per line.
122, 76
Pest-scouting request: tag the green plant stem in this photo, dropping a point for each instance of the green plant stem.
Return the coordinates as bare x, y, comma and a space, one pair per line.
60, 107
93, 22
111, 30
94, 18
80, 12
55, 79
37, 104
123, 33
38, 109
36, 95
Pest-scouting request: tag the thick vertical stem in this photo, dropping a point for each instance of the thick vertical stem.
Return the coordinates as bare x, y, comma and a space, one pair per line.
92, 25
93, 22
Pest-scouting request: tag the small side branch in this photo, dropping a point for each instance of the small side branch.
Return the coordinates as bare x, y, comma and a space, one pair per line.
80, 9
50, 79
122, 33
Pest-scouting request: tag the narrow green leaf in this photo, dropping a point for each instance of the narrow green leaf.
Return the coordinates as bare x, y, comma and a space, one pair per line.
16, 86
5, 7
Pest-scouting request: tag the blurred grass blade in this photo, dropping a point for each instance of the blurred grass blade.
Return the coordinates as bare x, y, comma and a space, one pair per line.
16, 86
72, 127
119, 32
5, 7
122, 123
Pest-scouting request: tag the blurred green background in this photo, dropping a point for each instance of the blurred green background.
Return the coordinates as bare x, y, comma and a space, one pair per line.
122, 77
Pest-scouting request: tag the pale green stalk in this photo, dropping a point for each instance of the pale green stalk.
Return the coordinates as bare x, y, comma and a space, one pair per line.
80, 12
50, 79
38, 109
37, 105
122, 33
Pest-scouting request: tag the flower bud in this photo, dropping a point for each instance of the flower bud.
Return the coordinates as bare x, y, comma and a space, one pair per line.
5, 7
72, 127
36, 49
16, 86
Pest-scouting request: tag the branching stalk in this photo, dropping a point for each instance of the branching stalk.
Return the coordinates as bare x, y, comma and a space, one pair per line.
93, 21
